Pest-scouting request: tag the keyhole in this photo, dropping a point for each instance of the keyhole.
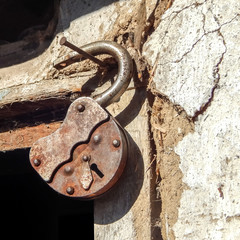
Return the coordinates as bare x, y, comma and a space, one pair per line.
95, 168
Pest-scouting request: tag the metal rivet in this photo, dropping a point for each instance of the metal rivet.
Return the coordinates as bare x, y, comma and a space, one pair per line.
70, 190
116, 143
68, 169
86, 158
36, 162
80, 107
97, 138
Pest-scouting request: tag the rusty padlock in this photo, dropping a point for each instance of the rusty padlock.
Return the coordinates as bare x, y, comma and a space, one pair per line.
86, 156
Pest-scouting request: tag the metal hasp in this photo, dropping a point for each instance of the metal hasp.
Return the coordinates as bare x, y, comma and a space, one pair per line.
86, 156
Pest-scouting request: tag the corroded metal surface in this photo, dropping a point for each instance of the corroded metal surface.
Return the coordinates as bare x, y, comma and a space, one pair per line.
86, 177
101, 171
86, 156
55, 149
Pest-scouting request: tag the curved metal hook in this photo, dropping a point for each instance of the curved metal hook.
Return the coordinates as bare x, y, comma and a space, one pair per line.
125, 68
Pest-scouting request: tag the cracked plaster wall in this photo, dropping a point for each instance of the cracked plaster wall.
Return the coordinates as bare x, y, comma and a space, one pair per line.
124, 212
195, 63
195, 57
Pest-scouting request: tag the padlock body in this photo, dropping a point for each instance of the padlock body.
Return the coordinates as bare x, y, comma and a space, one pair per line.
105, 161
86, 156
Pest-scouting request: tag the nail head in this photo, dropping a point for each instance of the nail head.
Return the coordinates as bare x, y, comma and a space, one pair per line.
63, 40
70, 190
36, 162
68, 169
86, 158
97, 138
116, 143
80, 107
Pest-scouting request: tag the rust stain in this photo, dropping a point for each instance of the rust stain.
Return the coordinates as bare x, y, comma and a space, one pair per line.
77, 125
78, 160
76, 89
220, 191
95, 166
25, 137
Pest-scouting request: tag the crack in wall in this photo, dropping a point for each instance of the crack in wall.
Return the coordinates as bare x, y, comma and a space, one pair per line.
211, 34
218, 30
215, 71
196, 4
216, 76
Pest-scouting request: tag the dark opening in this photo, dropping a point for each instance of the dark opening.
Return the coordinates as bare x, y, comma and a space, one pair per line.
23, 18
26, 29
30, 209
95, 168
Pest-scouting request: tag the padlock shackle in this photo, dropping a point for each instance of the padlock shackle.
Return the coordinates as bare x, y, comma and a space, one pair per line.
125, 69
120, 54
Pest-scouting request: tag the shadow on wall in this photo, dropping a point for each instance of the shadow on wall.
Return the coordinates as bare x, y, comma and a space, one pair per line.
118, 201
28, 27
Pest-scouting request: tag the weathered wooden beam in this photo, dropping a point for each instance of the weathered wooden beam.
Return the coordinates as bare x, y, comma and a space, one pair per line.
24, 115
25, 137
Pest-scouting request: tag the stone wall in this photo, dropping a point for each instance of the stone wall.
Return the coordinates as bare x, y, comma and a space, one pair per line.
195, 52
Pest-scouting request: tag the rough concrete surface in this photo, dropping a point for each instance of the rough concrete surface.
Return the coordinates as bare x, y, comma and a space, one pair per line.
190, 34
125, 212
195, 57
